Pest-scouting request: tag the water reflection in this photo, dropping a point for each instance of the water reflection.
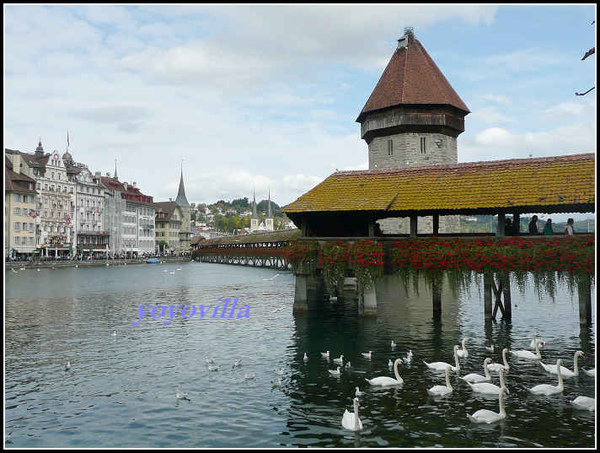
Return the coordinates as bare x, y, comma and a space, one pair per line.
121, 390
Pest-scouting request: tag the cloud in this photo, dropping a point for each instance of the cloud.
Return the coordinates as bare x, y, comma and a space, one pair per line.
567, 109
497, 98
490, 115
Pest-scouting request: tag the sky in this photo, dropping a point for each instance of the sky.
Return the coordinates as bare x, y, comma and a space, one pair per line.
255, 97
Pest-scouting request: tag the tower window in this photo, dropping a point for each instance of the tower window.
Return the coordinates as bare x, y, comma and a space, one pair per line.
423, 149
390, 148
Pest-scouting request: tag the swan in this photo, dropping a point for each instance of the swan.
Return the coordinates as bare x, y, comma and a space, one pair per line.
21, 268
408, 358
358, 393
336, 372
591, 372
393, 344
339, 360
367, 355
384, 380
487, 416
348, 365
474, 377
488, 388
442, 390
524, 354
305, 358
584, 402
462, 351
441, 366
38, 270
566, 373
14, 271
390, 364
547, 389
499, 366
350, 420
489, 348
325, 355
535, 340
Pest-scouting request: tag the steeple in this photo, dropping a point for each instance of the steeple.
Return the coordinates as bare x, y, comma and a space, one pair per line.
181, 200
115, 176
254, 213
269, 212
39, 151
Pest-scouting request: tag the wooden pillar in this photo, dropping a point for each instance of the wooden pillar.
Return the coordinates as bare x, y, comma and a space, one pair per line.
507, 313
585, 301
371, 227
436, 289
368, 301
517, 223
500, 227
301, 294
487, 296
413, 226
436, 224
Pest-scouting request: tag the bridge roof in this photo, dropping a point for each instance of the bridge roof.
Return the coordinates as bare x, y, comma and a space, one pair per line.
547, 184
271, 236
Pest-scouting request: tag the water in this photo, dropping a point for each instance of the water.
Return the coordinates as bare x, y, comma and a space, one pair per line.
121, 390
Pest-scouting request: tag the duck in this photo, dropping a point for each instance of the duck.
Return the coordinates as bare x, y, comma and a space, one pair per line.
497, 366
182, 395
279, 371
305, 358
528, 355
276, 383
238, 362
385, 380
462, 351
390, 364
408, 358
339, 360
488, 388
442, 390
584, 402
336, 373
350, 420
114, 334
68, 365
325, 355
547, 389
213, 367
489, 348
566, 373
487, 416
367, 355
248, 376
348, 365
357, 392
393, 344
209, 360
474, 377
591, 372
441, 366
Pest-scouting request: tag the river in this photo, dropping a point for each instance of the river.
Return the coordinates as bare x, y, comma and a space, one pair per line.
121, 390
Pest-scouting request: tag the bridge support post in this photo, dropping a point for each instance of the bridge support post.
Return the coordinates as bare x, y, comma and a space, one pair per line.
301, 294
584, 291
487, 296
413, 225
436, 289
367, 301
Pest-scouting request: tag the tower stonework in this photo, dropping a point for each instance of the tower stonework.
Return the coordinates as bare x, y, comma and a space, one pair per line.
412, 118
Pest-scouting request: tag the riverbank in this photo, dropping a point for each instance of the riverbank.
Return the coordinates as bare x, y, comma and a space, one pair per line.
54, 264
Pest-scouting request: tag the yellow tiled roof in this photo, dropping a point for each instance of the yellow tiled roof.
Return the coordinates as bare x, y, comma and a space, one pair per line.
548, 181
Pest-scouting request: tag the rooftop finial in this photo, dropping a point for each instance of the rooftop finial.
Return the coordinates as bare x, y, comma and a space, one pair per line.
115, 176
409, 33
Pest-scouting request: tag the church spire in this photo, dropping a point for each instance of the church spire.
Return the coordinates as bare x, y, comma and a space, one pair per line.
254, 213
115, 176
181, 200
269, 212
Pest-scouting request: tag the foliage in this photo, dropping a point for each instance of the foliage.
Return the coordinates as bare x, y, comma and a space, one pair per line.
303, 255
367, 260
335, 257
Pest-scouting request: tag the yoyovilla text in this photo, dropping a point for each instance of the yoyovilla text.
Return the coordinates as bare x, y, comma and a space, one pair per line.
187, 311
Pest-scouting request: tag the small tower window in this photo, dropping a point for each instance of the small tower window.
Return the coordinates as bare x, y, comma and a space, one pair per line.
423, 149
390, 148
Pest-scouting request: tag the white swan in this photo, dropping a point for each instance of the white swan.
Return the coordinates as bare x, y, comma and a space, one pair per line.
487, 416
474, 377
305, 358
393, 344
441, 366
350, 420
528, 355
384, 380
535, 340
499, 366
488, 388
348, 365
408, 358
390, 364
462, 351
335, 372
442, 390
547, 389
489, 348
339, 360
358, 393
325, 355
584, 402
367, 355
566, 373
591, 372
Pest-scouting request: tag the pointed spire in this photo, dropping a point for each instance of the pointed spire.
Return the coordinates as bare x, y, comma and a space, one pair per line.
39, 151
254, 213
115, 176
269, 212
181, 200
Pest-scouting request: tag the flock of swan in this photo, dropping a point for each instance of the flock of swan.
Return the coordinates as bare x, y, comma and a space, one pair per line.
478, 383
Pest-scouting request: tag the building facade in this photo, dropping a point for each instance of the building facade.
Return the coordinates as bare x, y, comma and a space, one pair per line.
168, 220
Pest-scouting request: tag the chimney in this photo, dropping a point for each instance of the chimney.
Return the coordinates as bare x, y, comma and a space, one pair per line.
16, 161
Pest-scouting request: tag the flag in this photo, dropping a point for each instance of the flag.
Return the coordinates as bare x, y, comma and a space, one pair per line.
32, 213
67, 218
68, 144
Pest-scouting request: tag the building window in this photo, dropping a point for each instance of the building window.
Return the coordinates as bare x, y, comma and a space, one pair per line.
17, 198
423, 149
390, 148
17, 211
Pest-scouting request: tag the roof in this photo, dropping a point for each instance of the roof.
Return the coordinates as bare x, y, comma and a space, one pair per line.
130, 193
181, 200
412, 77
508, 184
16, 182
167, 207
271, 236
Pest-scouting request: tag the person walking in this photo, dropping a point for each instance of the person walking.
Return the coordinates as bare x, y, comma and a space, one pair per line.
548, 231
569, 231
533, 228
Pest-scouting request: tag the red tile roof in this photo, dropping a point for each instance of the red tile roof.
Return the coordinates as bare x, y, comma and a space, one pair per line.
412, 77
130, 193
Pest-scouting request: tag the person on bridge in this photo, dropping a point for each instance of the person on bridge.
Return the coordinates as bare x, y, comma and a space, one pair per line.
508, 227
569, 231
533, 228
548, 231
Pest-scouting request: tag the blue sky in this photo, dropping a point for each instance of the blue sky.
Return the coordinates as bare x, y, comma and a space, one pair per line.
259, 96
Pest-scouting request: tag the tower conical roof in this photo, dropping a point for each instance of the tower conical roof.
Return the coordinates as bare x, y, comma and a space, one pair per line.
181, 200
411, 77
254, 213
